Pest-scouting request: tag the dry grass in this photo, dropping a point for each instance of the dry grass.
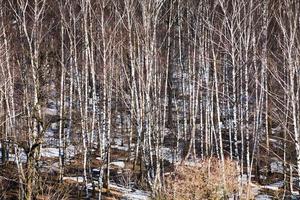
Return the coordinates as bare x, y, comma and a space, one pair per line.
203, 181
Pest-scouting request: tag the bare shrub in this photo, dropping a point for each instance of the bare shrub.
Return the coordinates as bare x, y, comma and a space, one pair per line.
202, 181
50, 189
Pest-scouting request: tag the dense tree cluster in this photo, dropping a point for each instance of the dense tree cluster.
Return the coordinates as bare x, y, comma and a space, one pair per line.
209, 78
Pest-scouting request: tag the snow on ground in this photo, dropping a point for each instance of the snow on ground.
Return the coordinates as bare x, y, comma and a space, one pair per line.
119, 164
263, 177
48, 152
54, 126
192, 163
118, 141
137, 195
121, 148
277, 166
260, 195
127, 193
78, 179
118, 144
263, 197
98, 158
276, 130
52, 152
131, 194
274, 186
257, 190
167, 154
50, 111
119, 188
96, 170
22, 157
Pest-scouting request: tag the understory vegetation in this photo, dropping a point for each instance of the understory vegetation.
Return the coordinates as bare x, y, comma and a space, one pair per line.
203, 180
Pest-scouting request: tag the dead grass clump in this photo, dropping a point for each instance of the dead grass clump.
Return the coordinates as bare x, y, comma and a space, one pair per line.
202, 181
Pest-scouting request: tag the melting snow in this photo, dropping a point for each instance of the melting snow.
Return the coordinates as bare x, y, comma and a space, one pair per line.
192, 163
167, 154
277, 166
119, 164
263, 197
137, 195
121, 148
22, 157
52, 152
131, 194
295, 192
274, 186
78, 179
50, 111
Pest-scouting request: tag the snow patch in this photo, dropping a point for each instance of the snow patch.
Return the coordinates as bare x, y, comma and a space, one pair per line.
277, 166
137, 195
274, 186
52, 152
50, 111
121, 148
167, 154
78, 179
131, 194
119, 164
263, 197
191, 163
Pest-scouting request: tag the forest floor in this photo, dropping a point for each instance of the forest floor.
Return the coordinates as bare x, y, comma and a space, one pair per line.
123, 180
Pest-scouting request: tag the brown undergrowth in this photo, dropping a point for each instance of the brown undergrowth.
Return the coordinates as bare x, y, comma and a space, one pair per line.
202, 181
